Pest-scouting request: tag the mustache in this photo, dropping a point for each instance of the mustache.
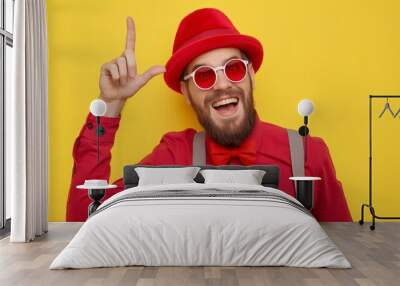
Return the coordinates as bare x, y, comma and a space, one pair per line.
218, 93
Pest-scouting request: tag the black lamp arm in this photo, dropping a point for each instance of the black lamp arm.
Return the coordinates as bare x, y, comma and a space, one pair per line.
99, 132
99, 129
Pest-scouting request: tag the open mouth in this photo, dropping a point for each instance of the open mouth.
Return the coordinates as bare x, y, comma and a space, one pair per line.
227, 106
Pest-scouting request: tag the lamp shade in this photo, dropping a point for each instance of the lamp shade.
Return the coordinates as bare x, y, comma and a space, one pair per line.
305, 107
98, 107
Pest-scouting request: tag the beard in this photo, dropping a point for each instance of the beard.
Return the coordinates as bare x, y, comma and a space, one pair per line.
229, 135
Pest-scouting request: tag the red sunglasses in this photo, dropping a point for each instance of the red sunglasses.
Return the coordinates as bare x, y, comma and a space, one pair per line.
205, 77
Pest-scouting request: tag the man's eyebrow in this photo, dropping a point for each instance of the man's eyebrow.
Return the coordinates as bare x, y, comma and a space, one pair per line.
199, 65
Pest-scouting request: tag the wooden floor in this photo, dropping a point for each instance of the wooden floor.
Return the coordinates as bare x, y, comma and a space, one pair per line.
374, 255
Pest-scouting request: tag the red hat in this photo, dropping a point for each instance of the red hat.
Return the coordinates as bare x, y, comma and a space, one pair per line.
202, 31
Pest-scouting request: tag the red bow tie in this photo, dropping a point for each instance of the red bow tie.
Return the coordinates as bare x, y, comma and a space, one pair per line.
220, 155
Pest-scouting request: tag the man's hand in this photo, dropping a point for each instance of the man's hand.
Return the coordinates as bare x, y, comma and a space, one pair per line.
119, 79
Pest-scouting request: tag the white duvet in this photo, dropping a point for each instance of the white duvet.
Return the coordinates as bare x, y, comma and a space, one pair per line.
204, 230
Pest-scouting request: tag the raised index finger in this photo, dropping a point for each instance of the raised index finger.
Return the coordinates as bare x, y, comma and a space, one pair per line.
130, 34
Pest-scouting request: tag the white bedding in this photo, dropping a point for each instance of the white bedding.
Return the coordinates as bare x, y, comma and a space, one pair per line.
187, 230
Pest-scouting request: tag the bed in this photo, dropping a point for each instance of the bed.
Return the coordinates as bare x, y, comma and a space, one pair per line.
201, 223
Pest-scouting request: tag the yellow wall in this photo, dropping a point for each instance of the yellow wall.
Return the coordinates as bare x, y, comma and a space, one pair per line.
333, 52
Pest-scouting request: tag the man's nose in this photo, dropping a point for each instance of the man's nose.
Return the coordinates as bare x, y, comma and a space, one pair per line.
222, 82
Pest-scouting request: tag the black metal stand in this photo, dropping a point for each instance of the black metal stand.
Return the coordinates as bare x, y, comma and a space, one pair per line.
96, 195
305, 193
371, 208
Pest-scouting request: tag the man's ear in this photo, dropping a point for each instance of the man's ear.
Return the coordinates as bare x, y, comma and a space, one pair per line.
185, 92
251, 73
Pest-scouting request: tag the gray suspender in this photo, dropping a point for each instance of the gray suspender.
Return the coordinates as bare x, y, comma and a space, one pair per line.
199, 149
295, 144
296, 153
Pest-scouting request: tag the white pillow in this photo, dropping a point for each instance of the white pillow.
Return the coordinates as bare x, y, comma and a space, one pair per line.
249, 177
162, 176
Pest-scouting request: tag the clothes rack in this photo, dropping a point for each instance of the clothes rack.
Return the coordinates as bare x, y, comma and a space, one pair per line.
370, 206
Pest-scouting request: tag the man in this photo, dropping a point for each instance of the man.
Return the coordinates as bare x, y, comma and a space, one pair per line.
213, 66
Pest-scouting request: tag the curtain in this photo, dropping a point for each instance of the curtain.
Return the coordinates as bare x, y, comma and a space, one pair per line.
26, 124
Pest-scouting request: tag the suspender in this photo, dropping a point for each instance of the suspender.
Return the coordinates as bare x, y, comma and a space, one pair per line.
295, 144
296, 153
199, 149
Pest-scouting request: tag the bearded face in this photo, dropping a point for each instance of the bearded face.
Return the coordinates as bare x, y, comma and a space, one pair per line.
226, 111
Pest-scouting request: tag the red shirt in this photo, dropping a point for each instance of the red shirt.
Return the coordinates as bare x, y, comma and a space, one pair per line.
175, 148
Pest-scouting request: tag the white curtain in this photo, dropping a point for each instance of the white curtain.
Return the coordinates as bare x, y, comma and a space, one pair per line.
26, 124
